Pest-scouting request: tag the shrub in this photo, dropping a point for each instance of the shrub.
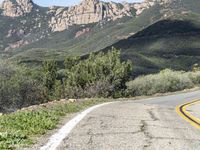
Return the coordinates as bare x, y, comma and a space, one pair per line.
49, 77
165, 81
18, 87
196, 68
99, 73
195, 77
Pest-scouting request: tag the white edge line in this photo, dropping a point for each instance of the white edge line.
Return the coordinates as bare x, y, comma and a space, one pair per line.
55, 140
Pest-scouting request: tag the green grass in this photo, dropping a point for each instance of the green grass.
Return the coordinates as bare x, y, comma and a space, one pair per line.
18, 129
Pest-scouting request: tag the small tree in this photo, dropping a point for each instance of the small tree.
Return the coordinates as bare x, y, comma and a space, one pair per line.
102, 68
50, 75
19, 87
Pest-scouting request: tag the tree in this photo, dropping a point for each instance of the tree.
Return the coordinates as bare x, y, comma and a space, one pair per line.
18, 87
100, 69
50, 75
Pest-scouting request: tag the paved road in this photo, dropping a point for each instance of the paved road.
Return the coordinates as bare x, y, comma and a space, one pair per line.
150, 124
194, 110
173, 100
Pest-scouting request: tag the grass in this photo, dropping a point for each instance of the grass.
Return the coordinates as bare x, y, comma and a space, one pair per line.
17, 130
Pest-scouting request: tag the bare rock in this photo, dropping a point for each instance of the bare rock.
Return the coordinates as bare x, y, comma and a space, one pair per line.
82, 32
72, 100
88, 11
16, 45
16, 8
140, 7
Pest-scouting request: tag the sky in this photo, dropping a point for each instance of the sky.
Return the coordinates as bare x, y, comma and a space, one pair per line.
69, 2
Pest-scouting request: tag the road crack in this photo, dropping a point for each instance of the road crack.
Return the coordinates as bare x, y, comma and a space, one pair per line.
149, 137
90, 133
152, 115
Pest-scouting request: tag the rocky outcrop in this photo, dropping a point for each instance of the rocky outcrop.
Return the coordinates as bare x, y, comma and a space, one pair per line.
82, 32
16, 8
16, 45
140, 7
92, 11
89, 11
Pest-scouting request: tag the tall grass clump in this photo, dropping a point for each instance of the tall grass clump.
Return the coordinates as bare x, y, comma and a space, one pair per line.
165, 81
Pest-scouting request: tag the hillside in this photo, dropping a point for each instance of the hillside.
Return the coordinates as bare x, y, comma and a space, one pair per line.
172, 42
25, 23
60, 31
154, 34
165, 44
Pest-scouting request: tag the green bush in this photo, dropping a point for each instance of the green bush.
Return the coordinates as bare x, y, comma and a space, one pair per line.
18, 87
165, 81
49, 77
195, 77
101, 75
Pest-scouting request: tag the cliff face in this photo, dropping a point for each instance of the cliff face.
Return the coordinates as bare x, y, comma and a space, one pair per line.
140, 7
88, 11
92, 11
16, 8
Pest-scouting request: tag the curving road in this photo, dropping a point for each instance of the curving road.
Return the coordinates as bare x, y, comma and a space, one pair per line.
150, 124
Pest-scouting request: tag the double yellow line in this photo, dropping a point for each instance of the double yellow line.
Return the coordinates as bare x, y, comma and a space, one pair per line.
181, 110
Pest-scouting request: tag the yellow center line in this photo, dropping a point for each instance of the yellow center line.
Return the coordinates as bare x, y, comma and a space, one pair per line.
181, 110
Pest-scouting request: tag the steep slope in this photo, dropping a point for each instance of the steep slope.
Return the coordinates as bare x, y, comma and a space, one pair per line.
37, 32
23, 22
155, 34
170, 43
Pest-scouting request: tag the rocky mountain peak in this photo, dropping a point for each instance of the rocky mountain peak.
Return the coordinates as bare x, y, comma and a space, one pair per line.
88, 11
90, 1
16, 8
140, 7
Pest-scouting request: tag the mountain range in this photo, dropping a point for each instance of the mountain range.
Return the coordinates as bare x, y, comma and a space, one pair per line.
154, 34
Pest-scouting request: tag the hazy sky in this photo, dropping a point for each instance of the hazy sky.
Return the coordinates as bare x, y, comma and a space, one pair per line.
69, 2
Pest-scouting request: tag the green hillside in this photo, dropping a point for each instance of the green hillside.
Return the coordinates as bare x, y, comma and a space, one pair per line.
166, 44
163, 36
60, 44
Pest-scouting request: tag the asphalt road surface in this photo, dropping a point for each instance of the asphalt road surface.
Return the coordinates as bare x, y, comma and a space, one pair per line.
150, 124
